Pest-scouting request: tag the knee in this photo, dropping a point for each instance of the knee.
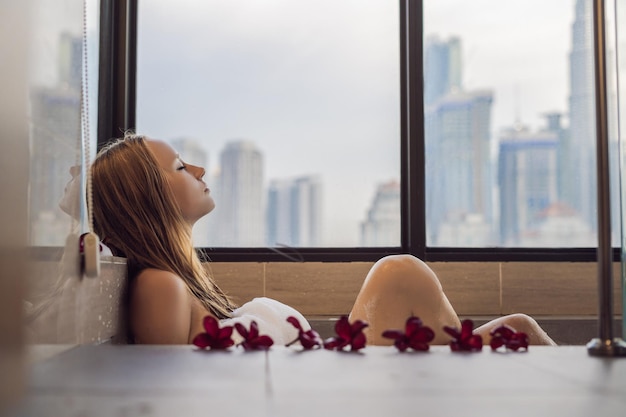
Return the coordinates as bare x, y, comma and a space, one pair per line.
521, 322
404, 271
528, 325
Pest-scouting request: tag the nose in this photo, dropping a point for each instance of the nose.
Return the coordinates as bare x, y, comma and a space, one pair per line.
198, 172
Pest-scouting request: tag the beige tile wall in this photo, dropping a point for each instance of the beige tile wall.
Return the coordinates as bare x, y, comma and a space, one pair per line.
87, 312
474, 288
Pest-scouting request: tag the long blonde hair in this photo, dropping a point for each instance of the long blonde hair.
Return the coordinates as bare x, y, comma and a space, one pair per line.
136, 214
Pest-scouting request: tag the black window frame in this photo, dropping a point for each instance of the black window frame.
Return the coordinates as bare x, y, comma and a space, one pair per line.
116, 114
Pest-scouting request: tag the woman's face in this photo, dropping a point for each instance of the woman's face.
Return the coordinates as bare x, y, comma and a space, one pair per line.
190, 191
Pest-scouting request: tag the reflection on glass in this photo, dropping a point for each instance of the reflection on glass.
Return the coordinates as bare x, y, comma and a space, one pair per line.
510, 124
56, 196
292, 107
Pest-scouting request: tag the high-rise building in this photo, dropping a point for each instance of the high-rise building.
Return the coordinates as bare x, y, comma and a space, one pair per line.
442, 68
579, 169
294, 212
459, 174
527, 177
383, 224
239, 203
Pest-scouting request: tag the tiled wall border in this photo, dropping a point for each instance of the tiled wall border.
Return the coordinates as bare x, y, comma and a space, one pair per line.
474, 288
86, 310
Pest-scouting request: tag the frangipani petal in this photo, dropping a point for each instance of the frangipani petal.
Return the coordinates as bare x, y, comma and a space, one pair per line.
416, 336
202, 340
211, 325
294, 321
343, 328
252, 340
465, 340
241, 329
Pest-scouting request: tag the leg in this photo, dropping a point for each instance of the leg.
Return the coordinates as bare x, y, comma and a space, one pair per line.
397, 287
521, 323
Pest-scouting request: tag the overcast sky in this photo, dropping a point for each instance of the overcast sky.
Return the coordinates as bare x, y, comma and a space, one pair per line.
315, 82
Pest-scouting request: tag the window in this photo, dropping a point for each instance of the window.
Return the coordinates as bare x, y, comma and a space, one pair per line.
55, 116
510, 125
293, 107
480, 118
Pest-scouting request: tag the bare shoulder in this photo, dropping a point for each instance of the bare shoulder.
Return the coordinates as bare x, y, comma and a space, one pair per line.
160, 308
156, 282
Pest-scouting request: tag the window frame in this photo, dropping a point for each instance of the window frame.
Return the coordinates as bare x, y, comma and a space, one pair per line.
116, 114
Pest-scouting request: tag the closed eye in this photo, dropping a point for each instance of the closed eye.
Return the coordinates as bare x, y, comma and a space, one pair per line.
180, 168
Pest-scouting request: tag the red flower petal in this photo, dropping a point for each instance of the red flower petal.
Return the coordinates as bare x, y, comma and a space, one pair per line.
254, 330
335, 343
464, 340
518, 341
225, 332
452, 331
475, 342
357, 327
420, 346
211, 325
263, 341
310, 339
424, 334
467, 326
343, 328
496, 342
358, 342
347, 334
413, 324
241, 329
252, 340
505, 331
223, 344
506, 336
393, 334
294, 321
202, 340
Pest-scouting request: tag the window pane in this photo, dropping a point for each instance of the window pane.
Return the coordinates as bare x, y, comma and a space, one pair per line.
510, 124
56, 203
292, 109
53, 307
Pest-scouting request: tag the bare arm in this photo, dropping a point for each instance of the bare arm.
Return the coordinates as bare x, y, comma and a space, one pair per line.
160, 308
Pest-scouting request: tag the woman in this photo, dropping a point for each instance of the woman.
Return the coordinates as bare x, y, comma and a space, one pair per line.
146, 201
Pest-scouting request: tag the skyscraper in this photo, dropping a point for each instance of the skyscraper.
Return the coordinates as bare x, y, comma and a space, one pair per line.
240, 214
579, 169
382, 225
459, 175
527, 176
442, 68
579, 188
294, 212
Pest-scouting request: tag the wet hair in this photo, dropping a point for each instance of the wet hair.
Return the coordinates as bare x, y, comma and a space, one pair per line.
136, 214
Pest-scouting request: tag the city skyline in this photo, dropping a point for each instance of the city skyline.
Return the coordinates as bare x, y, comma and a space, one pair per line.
309, 127
349, 213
